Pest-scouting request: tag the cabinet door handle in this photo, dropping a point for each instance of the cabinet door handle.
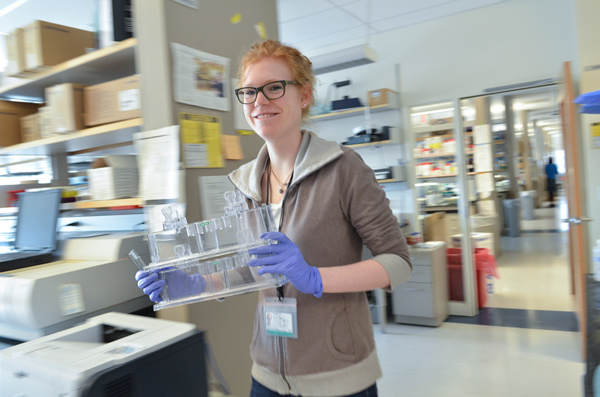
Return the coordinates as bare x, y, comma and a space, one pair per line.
411, 289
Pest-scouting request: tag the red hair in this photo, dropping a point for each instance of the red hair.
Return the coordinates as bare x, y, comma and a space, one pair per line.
298, 63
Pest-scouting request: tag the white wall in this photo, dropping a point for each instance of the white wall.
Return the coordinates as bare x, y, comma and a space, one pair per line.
460, 55
588, 35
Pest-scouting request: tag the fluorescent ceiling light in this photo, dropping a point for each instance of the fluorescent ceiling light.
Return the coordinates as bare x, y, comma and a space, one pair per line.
468, 113
432, 111
548, 122
497, 109
343, 59
11, 7
435, 106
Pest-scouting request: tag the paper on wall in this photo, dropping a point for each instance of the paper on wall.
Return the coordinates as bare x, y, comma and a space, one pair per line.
232, 147
158, 163
200, 79
201, 140
261, 29
212, 199
483, 158
482, 134
484, 182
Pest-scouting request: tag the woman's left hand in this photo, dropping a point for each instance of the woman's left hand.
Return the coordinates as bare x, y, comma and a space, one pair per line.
286, 259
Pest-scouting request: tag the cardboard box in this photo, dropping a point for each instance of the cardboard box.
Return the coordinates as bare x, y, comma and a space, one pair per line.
66, 107
46, 122
15, 51
113, 177
112, 101
383, 96
10, 120
30, 128
434, 227
48, 44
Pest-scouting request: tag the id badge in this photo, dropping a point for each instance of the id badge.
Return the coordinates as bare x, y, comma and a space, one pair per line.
281, 317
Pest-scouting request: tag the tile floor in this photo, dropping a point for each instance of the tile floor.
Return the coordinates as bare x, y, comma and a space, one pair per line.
529, 346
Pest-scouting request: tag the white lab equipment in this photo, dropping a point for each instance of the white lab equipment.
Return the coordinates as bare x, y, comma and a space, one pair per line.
215, 249
95, 276
110, 354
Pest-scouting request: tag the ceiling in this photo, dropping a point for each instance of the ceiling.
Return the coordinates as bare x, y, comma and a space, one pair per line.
306, 24
75, 13
313, 24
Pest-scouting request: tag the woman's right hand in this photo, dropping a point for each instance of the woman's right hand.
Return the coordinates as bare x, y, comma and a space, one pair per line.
150, 284
179, 284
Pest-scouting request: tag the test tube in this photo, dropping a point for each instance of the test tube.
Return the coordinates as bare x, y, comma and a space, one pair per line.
137, 259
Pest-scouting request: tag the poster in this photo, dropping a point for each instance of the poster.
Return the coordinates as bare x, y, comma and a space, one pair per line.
158, 162
212, 195
232, 147
483, 158
200, 79
201, 140
482, 134
485, 182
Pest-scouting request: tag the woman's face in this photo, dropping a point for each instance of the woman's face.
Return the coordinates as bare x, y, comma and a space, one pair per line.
273, 119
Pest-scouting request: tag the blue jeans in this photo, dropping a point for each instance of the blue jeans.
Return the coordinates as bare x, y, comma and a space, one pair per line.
259, 390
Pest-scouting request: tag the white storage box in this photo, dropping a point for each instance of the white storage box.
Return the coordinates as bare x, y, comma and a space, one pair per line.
113, 177
479, 240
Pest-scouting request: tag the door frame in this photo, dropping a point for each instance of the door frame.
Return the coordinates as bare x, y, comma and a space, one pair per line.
577, 232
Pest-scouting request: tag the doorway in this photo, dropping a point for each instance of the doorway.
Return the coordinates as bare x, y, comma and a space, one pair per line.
532, 259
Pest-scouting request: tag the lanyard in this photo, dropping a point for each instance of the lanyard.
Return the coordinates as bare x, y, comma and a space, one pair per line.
280, 294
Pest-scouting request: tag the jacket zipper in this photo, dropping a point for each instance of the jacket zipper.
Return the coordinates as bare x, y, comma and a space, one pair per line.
280, 338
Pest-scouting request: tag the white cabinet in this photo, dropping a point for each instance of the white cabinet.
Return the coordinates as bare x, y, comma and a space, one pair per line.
423, 300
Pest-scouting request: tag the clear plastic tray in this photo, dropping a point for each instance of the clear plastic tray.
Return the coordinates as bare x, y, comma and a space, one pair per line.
214, 249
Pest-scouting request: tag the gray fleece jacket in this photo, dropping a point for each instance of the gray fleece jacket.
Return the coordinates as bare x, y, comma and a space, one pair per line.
333, 206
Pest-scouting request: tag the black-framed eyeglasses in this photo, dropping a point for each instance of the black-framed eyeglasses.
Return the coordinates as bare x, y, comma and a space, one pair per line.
272, 90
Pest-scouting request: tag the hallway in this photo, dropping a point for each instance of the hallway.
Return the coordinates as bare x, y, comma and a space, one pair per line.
523, 343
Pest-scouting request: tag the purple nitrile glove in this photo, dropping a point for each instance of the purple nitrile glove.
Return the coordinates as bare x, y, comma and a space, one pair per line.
286, 259
179, 284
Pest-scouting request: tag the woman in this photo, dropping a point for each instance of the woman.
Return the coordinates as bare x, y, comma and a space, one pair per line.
327, 204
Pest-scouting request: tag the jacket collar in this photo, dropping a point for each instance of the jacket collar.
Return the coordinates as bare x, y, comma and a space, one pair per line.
314, 153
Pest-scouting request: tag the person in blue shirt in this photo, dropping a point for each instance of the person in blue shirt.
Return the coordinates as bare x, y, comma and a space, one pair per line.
551, 172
